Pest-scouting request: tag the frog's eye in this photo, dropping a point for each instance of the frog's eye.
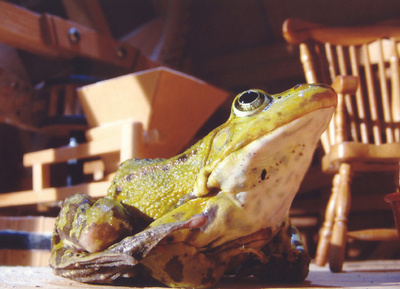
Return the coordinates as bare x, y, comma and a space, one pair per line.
250, 102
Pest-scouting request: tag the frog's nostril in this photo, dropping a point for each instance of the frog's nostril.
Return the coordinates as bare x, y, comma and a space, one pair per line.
320, 85
297, 86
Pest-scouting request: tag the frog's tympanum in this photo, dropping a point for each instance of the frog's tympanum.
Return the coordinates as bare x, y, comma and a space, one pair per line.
220, 208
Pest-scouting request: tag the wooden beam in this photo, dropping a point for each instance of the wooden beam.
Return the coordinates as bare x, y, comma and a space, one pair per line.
53, 36
21, 28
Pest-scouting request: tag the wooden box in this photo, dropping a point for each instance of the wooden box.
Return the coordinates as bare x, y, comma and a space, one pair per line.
171, 102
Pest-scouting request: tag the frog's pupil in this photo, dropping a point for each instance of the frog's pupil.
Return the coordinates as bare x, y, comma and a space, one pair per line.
248, 97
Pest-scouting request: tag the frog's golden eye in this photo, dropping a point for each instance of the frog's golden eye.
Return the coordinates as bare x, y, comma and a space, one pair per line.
250, 102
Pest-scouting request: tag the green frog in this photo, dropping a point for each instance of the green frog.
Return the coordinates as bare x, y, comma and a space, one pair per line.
219, 208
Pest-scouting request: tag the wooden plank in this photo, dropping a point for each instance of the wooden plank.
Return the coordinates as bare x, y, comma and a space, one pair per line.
50, 195
367, 274
63, 154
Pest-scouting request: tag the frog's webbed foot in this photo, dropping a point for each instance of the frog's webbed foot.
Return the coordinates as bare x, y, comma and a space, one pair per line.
287, 259
87, 267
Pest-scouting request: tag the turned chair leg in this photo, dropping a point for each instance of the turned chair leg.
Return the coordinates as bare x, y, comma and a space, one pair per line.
326, 230
339, 232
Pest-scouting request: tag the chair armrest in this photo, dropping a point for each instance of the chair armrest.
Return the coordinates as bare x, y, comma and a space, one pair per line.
345, 84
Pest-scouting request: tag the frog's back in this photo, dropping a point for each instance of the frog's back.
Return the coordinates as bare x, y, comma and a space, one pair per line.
155, 186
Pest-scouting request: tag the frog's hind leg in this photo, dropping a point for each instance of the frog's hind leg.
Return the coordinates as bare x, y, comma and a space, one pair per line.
288, 260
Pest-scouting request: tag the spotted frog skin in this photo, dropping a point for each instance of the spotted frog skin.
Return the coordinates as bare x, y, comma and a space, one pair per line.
219, 208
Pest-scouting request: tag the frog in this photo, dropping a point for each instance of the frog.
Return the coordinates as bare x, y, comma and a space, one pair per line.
220, 208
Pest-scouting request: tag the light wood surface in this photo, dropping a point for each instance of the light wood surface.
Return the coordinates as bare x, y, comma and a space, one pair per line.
367, 274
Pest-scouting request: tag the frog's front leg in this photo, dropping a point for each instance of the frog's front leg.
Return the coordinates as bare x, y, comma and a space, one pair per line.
84, 228
288, 260
92, 226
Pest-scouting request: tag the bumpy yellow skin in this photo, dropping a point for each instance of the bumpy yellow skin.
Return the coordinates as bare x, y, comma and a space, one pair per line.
221, 205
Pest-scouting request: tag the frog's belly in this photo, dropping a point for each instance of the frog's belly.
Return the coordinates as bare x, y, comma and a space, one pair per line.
259, 182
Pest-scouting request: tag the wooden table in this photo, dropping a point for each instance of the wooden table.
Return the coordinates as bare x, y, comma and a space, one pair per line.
367, 274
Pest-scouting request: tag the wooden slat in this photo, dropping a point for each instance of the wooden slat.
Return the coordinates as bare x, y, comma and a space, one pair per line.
309, 67
51, 195
376, 130
332, 74
350, 116
387, 114
308, 63
359, 96
395, 82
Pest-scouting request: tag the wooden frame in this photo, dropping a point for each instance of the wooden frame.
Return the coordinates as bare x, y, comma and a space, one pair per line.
128, 146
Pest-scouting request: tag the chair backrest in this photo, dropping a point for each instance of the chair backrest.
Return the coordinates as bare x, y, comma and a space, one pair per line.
371, 53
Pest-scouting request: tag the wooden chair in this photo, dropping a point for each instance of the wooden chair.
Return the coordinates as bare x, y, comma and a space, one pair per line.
364, 133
